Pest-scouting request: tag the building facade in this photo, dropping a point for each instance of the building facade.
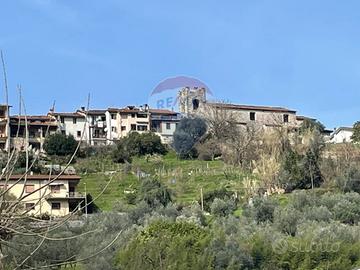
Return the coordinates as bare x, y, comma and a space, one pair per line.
4, 127
30, 131
72, 123
43, 194
193, 102
342, 135
164, 123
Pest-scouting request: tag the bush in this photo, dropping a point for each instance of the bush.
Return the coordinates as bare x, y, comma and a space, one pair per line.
166, 245
287, 219
261, 210
60, 144
222, 208
136, 144
210, 196
188, 132
153, 193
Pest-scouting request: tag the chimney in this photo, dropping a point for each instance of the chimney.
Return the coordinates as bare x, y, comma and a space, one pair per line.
83, 108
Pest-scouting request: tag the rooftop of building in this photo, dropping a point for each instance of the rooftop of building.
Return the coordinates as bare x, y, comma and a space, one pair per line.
251, 107
44, 177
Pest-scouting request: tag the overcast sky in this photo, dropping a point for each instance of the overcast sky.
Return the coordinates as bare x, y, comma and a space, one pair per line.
304, 55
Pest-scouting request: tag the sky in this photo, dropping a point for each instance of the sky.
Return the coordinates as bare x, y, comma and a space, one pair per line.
303, 55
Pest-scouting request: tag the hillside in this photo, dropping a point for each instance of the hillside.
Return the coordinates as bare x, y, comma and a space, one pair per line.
184, 178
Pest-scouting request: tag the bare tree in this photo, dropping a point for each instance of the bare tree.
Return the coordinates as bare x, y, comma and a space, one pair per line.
14, 219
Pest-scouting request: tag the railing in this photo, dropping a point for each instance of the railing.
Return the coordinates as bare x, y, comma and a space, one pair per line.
64, 195
165, 117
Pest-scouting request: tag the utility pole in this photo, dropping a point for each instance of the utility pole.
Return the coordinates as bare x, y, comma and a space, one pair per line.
86, 210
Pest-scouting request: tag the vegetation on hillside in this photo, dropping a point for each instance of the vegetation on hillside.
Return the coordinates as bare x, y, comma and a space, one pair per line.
276, 200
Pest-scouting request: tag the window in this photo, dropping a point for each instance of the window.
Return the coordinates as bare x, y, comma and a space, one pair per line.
168, 126
55, 189
133, 115
29, 206
123, 128
78, 133
29, 188
113, 116
63, 132
133, 127
103, 118
142, 115
62, 120
286, 118
74, 120
195, 104
141, 128
55, 206
252, 116
113, 129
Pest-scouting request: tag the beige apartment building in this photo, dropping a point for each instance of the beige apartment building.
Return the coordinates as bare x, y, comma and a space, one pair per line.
44, 195
124, 120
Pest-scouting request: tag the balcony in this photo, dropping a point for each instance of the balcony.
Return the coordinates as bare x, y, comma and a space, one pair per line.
65, 195
165, 117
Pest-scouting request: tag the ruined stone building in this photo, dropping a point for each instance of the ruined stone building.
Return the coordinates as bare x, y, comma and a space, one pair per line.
193, 102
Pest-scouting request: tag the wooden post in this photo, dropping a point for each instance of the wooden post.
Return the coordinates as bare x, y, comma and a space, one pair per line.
202, 199
86, 210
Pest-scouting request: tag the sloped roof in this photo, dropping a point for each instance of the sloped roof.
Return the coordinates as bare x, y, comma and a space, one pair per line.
45, 177
66, 114
251, 107
34, 120
161, 111
302, 118
341, 129
92, 112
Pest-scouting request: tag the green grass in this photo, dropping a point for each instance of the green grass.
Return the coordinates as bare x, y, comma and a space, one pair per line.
185, 178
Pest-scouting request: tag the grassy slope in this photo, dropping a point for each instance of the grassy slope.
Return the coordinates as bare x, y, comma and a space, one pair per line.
184, 177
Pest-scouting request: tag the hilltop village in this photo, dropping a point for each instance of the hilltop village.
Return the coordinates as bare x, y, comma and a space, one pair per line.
106, 126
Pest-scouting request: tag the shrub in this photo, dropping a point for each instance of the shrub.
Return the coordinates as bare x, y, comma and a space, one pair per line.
286, 220
166, 245
210, 196
136, 144
60, 144
356, 135
222, 208
153, 193
188, 132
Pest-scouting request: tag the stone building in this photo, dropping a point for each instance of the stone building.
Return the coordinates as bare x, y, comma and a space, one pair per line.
193, 102
30, 131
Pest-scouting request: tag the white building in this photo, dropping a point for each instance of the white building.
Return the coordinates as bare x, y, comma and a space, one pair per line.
164, 123
342, 135
122, 121
73, 124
